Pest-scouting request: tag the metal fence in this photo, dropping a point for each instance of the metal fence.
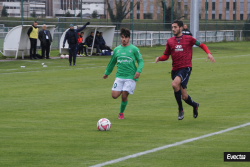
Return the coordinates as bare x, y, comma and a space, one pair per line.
146, 34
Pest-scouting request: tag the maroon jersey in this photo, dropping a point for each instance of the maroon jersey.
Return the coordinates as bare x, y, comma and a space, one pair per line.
181, 50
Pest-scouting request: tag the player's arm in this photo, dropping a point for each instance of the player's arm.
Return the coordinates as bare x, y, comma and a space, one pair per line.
140, 63
110, 66
204, 47
165, 55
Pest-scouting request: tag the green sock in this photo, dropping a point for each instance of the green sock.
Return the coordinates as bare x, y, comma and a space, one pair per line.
123, 106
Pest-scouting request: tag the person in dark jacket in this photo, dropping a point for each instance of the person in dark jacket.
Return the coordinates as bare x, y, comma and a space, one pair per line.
45, 38
72, 38
186, 31
89, 41
33, 35
103, 44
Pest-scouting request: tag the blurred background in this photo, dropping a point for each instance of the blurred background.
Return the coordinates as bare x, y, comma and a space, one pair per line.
148, 20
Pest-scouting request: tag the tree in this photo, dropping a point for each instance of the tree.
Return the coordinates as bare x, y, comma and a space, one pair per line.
121, 10
4, 12
94, 14
33, 14
168, 15
67, 14
246, 29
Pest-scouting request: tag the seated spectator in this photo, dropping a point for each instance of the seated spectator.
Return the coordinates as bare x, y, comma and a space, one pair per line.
89, 42
81, 45
103, 44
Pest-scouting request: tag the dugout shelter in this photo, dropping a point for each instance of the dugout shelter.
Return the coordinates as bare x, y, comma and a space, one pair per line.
108, 35
17, 43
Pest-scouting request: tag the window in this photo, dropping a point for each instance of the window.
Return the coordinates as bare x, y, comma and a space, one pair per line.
234, 6
234, 16
227, 6
206, 6
138, 5
213, 5
220, 16
213, 16
179, 6
241, 16
138, 15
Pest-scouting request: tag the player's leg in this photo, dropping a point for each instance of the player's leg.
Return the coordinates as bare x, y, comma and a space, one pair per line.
124, 103
70, 55
186, 74
189, 101
176, 84
128, 88
117, 88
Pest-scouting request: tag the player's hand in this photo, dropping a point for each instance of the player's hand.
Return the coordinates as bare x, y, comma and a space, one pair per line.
137, 75
88, 23
105, 76
157, 59
209, 56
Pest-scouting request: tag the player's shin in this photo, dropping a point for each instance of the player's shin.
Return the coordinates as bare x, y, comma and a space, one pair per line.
190, 102
179, 99
123, 106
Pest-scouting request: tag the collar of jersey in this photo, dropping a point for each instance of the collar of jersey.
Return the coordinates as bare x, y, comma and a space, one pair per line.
179, 37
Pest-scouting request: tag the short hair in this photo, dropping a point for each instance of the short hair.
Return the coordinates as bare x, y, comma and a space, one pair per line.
91, 32
178, 22
125, 32
35, 22
100, 32
82, 32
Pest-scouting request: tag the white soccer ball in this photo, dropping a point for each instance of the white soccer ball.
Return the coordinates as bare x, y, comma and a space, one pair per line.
66, 56
62, 56
103, 124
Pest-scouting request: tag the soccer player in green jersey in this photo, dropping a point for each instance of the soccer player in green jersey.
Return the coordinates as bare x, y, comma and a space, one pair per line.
127, 74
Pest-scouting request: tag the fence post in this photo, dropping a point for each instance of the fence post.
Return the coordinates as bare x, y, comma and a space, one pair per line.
116, 33
22, 11
240, 34
206, 22
146, 34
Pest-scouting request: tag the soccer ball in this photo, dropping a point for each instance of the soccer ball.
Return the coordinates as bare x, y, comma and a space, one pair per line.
66, 56
62, 56
103, 124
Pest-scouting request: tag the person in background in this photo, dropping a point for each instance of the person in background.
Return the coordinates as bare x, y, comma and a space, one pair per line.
45, 38
186, 31
81, 45
72, 38
33, 35
89, 42
103, 44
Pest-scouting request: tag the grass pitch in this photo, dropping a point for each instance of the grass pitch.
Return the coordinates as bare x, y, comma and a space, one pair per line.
48, 115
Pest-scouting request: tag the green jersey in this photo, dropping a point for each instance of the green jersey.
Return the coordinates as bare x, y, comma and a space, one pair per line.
125, 58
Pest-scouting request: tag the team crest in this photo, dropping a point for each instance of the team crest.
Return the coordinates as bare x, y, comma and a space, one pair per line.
130, 51
118, 51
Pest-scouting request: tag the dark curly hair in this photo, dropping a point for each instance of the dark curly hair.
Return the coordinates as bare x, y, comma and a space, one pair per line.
178, 22
125, 32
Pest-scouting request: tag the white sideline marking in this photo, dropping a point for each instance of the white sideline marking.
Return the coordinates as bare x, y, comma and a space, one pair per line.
168, 146
106, 66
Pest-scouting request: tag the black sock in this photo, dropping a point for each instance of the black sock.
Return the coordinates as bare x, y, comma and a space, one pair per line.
190, 102
178, 99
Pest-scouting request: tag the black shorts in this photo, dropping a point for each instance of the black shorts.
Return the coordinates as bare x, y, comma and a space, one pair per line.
184, 74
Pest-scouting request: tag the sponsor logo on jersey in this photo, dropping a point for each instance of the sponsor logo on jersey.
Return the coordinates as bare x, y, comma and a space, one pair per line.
123, 53
124, 60
118, 51
178, 48
130, 51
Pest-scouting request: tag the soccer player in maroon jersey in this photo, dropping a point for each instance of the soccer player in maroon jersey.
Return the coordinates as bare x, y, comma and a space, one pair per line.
180, 49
